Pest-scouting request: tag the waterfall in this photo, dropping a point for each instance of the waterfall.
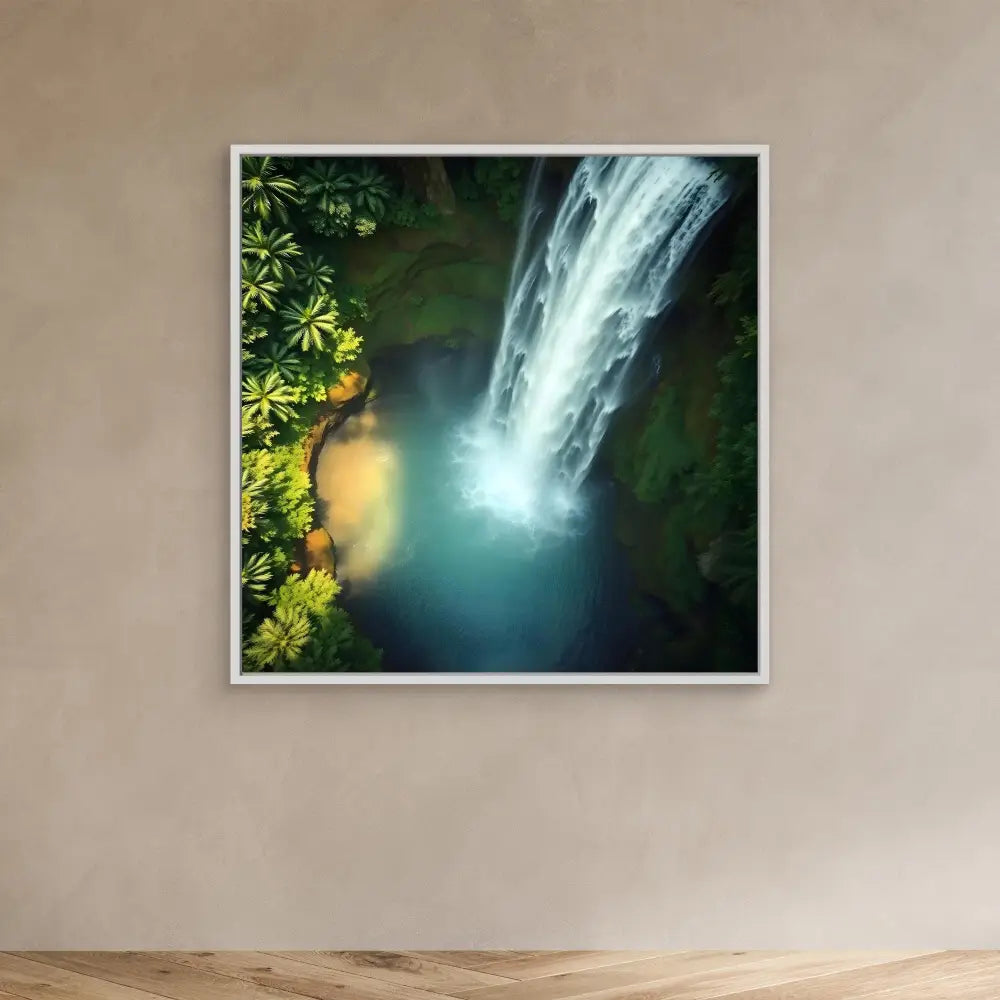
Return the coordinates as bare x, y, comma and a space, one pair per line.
580, 297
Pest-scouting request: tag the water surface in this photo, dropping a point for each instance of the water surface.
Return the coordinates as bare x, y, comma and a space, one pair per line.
443, 585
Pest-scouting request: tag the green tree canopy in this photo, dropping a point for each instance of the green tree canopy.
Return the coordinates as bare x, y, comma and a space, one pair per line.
266, 397
282, 359
278, 640
335, 645
256, 572
258, 286
310, 324
273, 248
370, 191
314, 274
266, 191
312, 594
327, 186
274, 477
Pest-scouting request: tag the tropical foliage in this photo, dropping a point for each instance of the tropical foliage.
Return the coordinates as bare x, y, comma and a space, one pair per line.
276, 357
267, 398
733, 472
342, 197
297, 337
310, 324
663, 453
267, 192
256, 573
294, 345
278, 640
498, 179
370, 192
314, 275
327, 185
687, 452
274, 248
258, 285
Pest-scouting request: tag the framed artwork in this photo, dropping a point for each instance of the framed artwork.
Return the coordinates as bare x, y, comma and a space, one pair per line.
499, 414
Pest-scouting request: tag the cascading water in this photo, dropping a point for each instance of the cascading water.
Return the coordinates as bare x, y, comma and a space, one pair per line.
577, 305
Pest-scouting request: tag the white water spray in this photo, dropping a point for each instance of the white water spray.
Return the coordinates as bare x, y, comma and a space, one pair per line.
578, 303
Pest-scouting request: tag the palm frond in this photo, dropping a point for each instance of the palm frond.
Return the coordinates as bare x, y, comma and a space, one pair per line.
307, 324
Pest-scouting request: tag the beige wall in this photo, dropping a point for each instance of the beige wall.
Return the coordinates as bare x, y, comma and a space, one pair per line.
143, 802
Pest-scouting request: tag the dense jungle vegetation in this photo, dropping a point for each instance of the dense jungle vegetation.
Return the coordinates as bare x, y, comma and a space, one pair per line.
687, 453
684, 451
299, 335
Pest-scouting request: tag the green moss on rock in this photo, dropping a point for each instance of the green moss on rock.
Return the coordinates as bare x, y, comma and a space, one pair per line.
661, 447
663, 557
434, 282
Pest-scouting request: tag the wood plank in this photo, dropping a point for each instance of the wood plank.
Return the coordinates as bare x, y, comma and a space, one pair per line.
149, 972
690, 976
941, 976
555, 963
696, 976
31, 980
471, 959
398, 967
965, 986
276, 972
625, 974
755, 975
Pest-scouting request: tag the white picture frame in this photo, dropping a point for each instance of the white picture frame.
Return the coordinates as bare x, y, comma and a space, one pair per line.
762, 675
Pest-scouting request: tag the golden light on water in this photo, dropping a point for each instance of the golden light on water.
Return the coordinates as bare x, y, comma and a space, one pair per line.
357, 486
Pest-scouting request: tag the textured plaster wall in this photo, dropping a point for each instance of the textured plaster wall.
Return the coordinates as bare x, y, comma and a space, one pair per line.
144, 802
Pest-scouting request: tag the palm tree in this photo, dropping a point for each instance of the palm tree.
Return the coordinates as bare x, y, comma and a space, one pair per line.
274, 248
306, 323
253, 503
279, 358
314, 274
251, 484
267, 192
370, 191
256, 573
266, 396
258, 286
327, 186
250, 333
250, 509
330, 643
278, 641
335, 645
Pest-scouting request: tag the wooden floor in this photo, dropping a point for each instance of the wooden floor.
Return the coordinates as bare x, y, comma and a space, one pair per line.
500, 975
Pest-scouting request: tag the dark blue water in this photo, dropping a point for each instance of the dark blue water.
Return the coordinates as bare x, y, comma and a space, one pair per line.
460, 590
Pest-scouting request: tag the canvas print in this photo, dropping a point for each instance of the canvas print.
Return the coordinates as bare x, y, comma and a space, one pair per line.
499, 414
